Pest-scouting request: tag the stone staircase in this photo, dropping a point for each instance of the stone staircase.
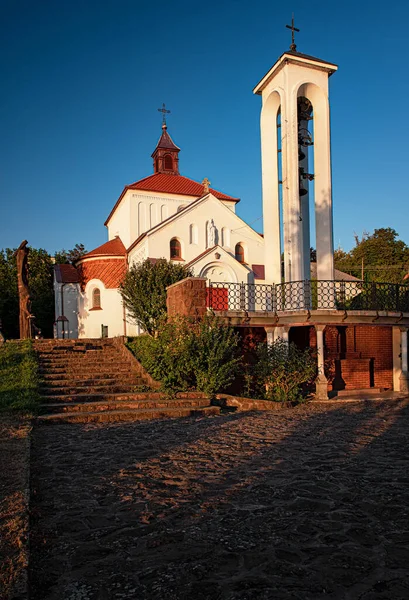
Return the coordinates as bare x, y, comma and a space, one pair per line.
99, 380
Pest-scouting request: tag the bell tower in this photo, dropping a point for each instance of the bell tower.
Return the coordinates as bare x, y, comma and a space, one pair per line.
296, 164
166, 154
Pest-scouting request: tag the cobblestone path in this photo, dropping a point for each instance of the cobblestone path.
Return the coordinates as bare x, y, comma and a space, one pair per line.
308, 503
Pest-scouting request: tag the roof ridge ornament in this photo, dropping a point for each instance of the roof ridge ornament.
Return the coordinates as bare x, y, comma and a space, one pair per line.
206, 185
293, 47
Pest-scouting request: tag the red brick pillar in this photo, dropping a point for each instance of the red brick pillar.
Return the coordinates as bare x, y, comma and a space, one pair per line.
187, 298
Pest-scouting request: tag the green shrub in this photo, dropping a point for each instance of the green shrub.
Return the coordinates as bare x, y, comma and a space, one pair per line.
216, 358
190, 355
18, 376
281, 369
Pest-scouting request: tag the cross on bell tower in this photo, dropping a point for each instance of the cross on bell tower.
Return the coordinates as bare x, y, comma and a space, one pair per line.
293, 47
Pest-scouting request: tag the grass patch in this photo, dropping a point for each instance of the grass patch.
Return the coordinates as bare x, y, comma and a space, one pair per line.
18, 377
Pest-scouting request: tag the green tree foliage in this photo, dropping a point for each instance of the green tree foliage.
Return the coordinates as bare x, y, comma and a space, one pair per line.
63, 257
143, 291
40, 280
9, 307
189, 355
281, 369
384, 257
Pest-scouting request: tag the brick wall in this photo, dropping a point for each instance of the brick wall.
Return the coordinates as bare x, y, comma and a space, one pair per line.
187, 298
362, 355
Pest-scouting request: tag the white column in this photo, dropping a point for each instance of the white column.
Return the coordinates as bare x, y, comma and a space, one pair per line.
270, 334
321, 384
271, 203
404, 378
322, 190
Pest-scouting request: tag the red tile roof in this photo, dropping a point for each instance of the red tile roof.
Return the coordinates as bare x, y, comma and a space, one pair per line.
110, 271
165, 141
114, 247
66, 274
170, 184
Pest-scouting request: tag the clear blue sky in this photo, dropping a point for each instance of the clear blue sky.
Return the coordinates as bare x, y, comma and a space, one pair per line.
82, 81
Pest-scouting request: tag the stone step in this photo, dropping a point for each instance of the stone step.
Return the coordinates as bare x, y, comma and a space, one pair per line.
362, 393
92, 389
64, 377
125, 404
97, 368
83, 360
131, 396
112, 416
90, 382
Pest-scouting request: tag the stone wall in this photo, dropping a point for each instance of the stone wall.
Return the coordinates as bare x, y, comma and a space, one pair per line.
187, 298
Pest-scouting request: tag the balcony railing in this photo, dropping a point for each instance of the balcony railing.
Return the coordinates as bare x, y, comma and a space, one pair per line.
309, 295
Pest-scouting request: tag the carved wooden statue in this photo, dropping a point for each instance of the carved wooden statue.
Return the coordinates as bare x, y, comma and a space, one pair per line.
23, 290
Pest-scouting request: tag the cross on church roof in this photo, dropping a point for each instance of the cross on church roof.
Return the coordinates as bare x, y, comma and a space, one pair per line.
164, 111
293, 47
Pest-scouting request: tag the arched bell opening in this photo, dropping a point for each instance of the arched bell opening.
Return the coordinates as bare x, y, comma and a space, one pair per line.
319, 185
305, 119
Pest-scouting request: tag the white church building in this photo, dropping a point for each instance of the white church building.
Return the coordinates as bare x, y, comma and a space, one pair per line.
164, 215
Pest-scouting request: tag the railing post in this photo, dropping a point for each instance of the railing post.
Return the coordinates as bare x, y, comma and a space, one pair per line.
242, 296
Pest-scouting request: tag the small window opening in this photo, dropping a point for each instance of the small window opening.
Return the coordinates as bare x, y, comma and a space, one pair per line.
239, 253
96, 298
175, 249
168, 162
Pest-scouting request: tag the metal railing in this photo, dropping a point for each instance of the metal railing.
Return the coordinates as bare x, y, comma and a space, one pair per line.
309, 295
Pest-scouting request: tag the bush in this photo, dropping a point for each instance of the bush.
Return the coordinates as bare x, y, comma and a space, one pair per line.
18, 376
190, 355
281, 369
216, 355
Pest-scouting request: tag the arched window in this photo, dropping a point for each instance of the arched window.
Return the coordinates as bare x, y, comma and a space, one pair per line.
96, 298
175, 249
168, 162
239, 253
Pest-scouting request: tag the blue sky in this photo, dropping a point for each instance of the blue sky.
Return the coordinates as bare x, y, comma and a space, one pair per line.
82, 82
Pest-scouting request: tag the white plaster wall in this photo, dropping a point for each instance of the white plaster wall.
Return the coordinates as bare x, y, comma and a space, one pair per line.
120, 222
140, 211
71, 294
158, 241
111, 313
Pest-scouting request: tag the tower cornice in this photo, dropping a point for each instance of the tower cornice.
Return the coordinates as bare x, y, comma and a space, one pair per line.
295, 58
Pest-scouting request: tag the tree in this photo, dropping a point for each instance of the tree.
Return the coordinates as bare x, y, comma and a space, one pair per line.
63, 257
143, 291
40, 280
9, 306
383, 257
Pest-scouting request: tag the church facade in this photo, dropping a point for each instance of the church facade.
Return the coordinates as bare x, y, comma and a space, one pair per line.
164, 215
